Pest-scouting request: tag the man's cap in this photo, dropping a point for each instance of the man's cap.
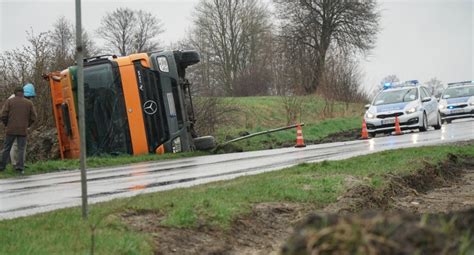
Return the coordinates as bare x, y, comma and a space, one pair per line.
19, 89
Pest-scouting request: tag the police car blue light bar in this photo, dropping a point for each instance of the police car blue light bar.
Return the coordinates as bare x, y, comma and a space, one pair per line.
414, 82
460, 83
389, 85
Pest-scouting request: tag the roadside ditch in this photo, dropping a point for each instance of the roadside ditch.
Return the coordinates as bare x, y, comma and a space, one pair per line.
430, 211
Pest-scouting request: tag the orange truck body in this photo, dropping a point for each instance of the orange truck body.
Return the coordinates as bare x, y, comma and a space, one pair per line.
134, 105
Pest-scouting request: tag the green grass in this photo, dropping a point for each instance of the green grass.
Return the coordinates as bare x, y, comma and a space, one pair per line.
262, 113
93, 162
63, 231
269, 111
311, 131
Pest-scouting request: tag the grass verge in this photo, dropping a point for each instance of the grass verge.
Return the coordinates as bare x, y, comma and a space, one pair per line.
269, 111
216, 204
311, 132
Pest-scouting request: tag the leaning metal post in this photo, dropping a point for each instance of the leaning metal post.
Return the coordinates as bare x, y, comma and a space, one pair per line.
263, 133
80, 99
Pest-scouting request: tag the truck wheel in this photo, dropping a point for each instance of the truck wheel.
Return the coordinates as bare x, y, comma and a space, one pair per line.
205, 143
187, 58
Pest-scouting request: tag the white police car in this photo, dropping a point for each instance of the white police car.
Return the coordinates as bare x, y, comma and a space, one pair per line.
415, 107
457, 101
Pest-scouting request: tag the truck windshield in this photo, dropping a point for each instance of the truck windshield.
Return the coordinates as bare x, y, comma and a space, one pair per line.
467, 91
106, 120
396, 96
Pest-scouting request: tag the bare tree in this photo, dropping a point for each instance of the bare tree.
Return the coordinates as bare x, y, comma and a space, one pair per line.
148, 27
316, 26
26, 65
117, 29
89, 47
212, 112
129, 31
230, 35
203, 75
293, 108
62, 43
15, 68
436, 86
389, 79
341, 82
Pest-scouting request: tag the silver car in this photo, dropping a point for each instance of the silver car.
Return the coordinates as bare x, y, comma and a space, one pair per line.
457, 101
415, 107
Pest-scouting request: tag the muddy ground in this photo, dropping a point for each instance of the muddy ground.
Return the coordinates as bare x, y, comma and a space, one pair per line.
429, 212
363, 221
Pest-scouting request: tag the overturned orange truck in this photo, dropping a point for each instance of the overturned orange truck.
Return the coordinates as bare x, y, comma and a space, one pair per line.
136, 104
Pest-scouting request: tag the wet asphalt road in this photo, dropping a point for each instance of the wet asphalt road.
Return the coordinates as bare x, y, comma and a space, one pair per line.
34, 194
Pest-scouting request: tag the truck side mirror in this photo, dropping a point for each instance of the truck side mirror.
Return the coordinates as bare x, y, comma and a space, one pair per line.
367, 106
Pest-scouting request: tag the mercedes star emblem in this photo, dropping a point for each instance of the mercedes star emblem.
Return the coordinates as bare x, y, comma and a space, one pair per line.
150, 107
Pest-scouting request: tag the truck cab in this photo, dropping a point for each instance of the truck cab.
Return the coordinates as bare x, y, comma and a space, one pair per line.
136, 104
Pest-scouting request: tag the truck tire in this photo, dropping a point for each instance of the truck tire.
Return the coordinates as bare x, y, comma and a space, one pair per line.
187, 58
205, 143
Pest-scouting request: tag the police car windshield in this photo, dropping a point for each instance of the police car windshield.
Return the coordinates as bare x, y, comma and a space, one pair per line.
396, 96
464, 91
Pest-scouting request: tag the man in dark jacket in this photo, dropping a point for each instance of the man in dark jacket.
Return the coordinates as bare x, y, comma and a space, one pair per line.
17, 115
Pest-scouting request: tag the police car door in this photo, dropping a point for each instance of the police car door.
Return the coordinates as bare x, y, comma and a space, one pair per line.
429, 106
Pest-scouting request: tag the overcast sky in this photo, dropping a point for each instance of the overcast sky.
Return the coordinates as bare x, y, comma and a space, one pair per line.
419, 39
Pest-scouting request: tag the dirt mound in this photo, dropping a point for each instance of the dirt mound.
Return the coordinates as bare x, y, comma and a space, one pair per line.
43, 145
343, 136
431, 176
263, 231
384, 233
434, 191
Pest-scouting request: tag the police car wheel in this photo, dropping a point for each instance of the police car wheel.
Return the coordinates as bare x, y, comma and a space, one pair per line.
438, 124
372, 134
448, 121
425, 123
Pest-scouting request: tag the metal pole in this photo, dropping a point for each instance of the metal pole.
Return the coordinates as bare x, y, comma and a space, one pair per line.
262, 133
80, 99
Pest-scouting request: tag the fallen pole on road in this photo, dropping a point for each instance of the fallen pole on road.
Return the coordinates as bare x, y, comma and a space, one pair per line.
262, 133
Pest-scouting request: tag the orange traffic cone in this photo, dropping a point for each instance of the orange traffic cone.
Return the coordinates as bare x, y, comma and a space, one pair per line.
299, 137
398, 130
365, 133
